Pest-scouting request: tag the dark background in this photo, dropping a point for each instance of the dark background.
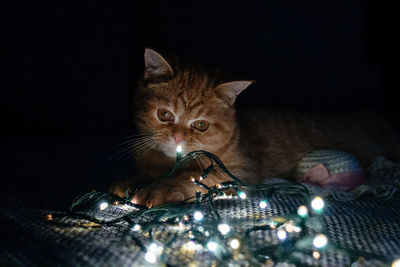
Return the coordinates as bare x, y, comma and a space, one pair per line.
70, 69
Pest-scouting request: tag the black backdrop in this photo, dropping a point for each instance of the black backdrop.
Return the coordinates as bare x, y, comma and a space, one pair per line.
71, 67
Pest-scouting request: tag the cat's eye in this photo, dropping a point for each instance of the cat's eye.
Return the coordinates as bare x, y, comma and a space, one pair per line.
165, 115
200, 125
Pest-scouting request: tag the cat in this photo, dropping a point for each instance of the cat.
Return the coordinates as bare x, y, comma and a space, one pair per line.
177, 103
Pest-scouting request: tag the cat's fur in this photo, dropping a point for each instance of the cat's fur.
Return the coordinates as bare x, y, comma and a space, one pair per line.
253, 144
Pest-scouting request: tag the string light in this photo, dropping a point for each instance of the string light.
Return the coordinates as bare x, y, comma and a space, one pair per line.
212, 246
224, 228
297, 229
263, 204
302, 211
320, 241
103, 205
49, 217
317, 204
150, 257
235, 244
176, 215
178, 152
289, 227
198, 215
316, 255
396, 263
136, 227
282, 234
242, 195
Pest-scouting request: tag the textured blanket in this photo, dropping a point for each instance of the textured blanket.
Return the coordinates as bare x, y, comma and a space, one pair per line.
37, 232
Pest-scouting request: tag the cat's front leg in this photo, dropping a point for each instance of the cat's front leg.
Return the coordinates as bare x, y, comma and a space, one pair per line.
173, 190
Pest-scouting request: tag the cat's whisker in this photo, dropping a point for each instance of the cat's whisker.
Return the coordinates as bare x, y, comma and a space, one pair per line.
133, 150
134, 144
146, 148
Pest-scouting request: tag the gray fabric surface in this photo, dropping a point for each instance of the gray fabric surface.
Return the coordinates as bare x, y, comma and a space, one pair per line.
368, 224
366, 219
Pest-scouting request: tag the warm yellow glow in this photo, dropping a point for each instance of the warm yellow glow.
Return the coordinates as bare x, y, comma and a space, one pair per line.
302, 211
317, 203
316, 255
235, 244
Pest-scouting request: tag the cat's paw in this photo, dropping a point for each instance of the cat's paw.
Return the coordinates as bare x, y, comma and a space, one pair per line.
157, 194
120, 187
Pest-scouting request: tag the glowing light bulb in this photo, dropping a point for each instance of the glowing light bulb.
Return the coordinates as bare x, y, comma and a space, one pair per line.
316, 255
396, 263
317, 204
289, 227
179, 149
153, 247
136, 227
282, 234
212, 246
198, 215
235, 244
302, 211
263, 204
242, 195
224, 228
103, 205
320, 241
150, 257
297, 229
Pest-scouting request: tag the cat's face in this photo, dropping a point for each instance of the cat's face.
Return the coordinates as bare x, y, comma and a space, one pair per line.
185, 106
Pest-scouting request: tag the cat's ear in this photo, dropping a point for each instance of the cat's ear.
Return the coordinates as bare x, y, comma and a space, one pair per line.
230, 90
156, 65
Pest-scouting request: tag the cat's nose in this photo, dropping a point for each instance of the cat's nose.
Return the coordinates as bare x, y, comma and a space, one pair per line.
178, 138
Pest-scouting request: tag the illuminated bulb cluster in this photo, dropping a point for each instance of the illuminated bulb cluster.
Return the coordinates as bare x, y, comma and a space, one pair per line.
103, 205
317, 204
198, 215
224, 228
320, 241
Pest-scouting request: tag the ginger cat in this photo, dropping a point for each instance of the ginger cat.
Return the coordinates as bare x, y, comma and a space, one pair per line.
177, 103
